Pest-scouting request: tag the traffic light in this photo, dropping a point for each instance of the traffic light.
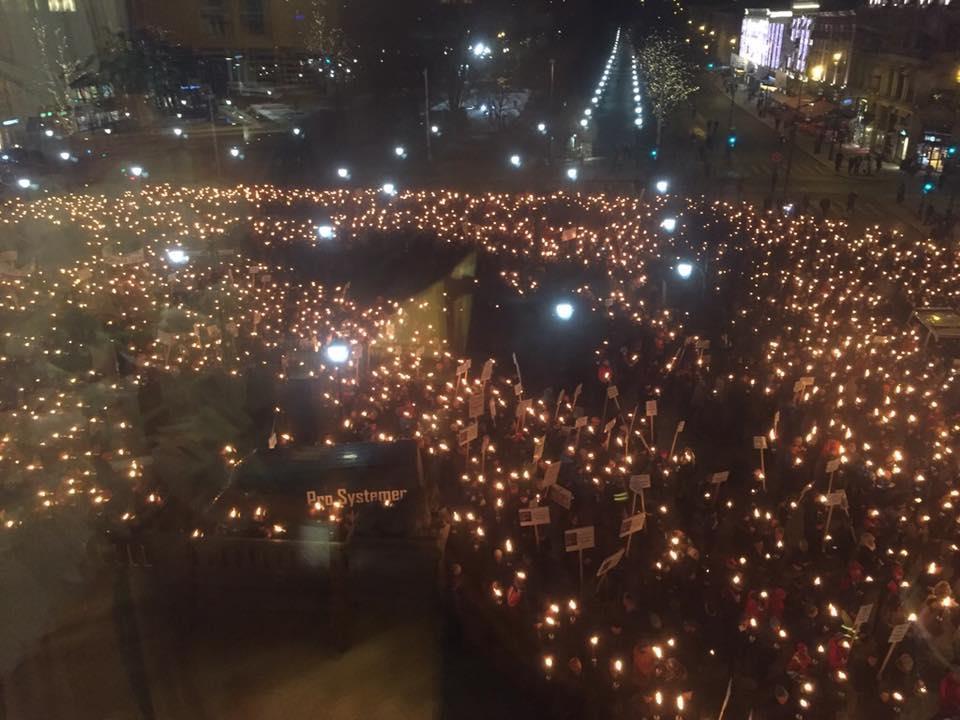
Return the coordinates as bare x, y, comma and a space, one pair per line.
928, 187
732, 140
653, 153
709, 66
952, 151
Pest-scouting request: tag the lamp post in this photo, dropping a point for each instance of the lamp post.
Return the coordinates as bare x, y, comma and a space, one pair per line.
338, 353
793, 139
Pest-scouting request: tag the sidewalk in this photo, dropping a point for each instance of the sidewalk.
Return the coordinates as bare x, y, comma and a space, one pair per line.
804, 142
876, 191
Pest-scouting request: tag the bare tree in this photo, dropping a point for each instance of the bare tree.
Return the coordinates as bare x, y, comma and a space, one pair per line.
57, 68
321, 36
668, 78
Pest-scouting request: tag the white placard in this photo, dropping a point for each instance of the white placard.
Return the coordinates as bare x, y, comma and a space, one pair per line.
632, 524
609, 426
681, 425
703, 345
538, 444
568, 234
551, 474
863, 615
463, 367
581, 538
576, 394
468, 434
806, 380
523, 406
720, 477
798, 386
837, 498
833, 465
612, 392
476, 405
639, 482
487, 372
534, 516
581, 421
899, 632
518, 389
651, 408
610, 563
561, 496
759, 442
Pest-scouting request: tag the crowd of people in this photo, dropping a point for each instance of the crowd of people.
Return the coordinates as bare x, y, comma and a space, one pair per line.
745, 502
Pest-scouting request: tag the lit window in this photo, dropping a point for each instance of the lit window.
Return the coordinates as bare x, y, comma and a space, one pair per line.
62, 5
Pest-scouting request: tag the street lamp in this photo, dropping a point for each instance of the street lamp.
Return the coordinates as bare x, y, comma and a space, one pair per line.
669, 224
563, 310
235, 152
662, 186
684, 270
400, 151
542, 128
136, 171
515, 161
178, 132
24, 183
326, 231
343, 173
177, 256
337, 353
64, 155
388, 188
572, 173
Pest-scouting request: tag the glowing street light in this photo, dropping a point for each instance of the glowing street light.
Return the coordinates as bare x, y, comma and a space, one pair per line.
684, 270
178, 132
515, 161
24, 183
662, 186
572, 173
669, 224
337, 353
400, 151
177, 256
297, 132
563, 310
343, 173
235, 152
388, 188
326, 232
542, 128
64, 155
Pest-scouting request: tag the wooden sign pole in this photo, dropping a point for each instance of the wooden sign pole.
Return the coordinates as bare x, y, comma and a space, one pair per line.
580, 559
673, 445
633, 511
886, 658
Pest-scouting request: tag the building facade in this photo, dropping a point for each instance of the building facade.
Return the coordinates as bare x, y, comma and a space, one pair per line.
904, 77
44, 46
249, 43
891, 68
